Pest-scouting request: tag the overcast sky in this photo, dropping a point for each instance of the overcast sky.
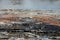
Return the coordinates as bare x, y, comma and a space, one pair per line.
30, 4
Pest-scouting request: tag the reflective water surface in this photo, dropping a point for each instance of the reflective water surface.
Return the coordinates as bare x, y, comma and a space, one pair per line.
30, 4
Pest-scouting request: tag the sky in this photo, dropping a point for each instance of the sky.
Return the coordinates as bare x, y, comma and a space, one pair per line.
30, 4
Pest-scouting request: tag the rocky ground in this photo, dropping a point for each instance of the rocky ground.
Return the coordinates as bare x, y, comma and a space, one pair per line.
34, 21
